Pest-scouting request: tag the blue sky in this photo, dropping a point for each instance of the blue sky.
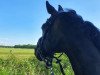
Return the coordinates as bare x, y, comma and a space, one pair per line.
21, 20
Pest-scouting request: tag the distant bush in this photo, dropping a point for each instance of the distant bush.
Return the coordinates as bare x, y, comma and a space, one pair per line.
29, 46
3, 46
25, 46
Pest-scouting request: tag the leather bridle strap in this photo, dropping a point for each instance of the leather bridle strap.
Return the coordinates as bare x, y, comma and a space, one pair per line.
61, 68
58, 61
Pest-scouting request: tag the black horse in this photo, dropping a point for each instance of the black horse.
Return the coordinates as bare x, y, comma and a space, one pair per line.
66, 31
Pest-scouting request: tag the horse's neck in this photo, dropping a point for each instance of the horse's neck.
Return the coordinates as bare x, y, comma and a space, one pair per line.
84, 57
75, 65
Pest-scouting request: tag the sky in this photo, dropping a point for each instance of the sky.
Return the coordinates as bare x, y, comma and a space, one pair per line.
21, 20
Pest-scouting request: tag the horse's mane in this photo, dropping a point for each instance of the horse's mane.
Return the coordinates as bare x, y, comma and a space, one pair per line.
90, 31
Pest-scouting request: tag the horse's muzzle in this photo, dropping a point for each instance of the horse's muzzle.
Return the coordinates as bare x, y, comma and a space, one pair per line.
40, 52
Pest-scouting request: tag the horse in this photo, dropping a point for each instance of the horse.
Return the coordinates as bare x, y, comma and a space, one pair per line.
68, 32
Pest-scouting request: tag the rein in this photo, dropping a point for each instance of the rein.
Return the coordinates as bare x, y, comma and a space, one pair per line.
49, 61
58, 61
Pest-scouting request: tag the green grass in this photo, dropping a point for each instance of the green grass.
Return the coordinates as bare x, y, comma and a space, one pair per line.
17, 52
16, 61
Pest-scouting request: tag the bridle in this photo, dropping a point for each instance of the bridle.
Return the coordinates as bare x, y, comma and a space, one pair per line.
48, 59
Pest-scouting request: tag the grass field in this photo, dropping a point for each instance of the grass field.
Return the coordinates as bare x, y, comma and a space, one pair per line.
16, 61
17, 52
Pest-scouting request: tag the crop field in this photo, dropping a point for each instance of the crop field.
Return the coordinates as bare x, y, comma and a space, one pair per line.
16, 61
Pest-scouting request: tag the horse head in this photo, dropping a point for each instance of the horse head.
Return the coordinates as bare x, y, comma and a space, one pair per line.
52, 39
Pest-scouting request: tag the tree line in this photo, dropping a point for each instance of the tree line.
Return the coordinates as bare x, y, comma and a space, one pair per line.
29, 46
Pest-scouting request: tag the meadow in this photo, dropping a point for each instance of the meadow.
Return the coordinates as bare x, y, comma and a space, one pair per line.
17, 61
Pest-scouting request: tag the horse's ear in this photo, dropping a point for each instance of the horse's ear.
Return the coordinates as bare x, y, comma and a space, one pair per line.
60, 8
50, 9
